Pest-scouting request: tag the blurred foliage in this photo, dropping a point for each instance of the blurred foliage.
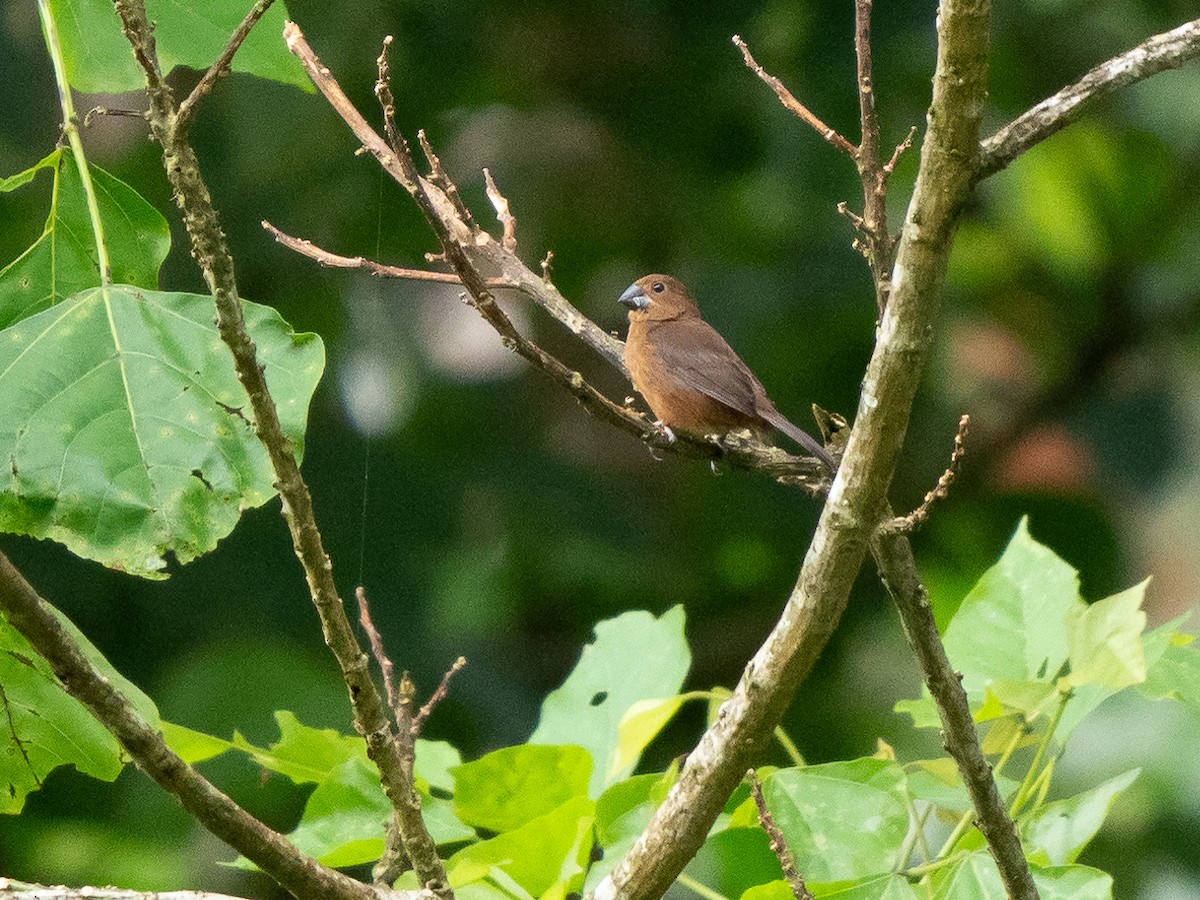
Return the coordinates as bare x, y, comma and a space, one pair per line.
487, 516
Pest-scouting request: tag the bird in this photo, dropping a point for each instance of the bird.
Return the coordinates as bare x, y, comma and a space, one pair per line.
689, 375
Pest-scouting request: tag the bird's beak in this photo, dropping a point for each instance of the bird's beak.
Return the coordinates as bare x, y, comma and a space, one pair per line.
634, 297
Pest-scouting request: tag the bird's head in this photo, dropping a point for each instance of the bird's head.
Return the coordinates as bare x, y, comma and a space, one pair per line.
658, 297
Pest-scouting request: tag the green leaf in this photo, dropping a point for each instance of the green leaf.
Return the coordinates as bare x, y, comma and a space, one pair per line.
63, 260
1012, 623
45, 727
843, 820
193, 746
641, 724
98, 57
772, 890
974, 876
589, 706
541, 853
125, 431
304, 754
622, 813
877, 887
1104, 641
1172, 663
1056, 833
509, 787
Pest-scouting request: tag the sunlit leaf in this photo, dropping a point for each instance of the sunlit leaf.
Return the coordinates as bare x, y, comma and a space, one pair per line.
187, 32
589, 706
125, 432
507, 788
45, 727
63, 260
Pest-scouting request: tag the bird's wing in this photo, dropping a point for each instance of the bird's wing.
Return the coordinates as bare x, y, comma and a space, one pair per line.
693, 352
696, 354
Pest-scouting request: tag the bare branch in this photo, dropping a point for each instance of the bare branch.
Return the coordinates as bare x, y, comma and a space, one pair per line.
503, 214
901, 147
792, 104
778, 843
463, 245
221, 66
376, 640
35, 619
332, 260
437, 696
1168, 50
917, 517
893, 557
549, 258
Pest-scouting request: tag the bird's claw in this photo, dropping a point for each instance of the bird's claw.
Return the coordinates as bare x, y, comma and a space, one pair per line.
664, 431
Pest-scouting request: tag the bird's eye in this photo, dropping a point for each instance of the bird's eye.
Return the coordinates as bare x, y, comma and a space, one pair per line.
657, 287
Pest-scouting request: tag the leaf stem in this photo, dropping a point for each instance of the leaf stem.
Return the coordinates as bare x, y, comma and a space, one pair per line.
1032, 776
71, 132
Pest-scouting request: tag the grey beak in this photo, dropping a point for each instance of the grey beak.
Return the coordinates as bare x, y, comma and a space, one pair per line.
634, 297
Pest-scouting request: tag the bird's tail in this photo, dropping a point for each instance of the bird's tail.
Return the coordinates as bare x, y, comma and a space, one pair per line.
799, 435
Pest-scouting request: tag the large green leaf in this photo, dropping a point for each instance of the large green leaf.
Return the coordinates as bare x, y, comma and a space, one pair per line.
63, 260
505, 789
187, 32
125, 432
44, 726
974, 876
1055, 834
546, 851
842, 821
603, 686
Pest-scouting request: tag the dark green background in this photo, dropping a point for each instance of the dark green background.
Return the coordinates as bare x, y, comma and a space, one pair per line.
500, 522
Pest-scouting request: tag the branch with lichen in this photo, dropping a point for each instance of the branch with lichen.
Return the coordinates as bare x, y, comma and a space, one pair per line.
1163, 52
212, 254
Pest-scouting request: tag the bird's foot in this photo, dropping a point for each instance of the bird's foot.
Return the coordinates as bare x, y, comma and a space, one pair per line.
664, 431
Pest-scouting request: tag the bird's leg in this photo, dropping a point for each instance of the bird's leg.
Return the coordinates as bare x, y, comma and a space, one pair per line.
664, 431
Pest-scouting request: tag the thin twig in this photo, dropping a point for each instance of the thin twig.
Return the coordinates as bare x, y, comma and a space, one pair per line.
877, 245
376, 640
901, 147
439, 177
1168, 50
221, 66
917, 517
437, 696
383, 93
503, 214
546, 262
778, 844
332, 260
792, 104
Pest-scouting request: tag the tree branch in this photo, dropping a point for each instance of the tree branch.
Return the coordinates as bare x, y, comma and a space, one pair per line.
791, 104
472, 252
893, 557
858, 498
212, 254
221, 66
1169, 50
272, 852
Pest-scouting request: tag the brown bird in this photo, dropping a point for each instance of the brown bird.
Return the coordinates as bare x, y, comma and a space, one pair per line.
689, 375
